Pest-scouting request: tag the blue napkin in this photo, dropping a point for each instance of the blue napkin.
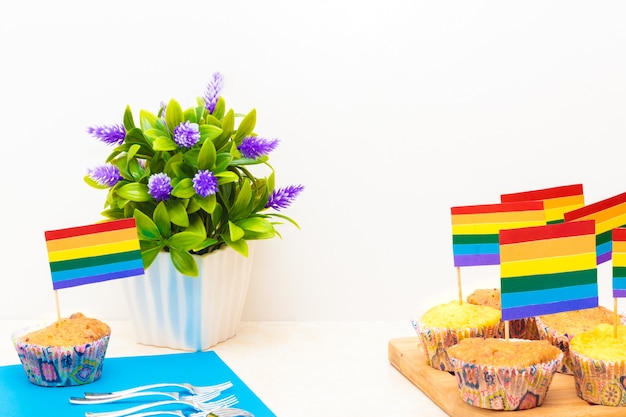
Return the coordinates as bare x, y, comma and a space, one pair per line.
20, 398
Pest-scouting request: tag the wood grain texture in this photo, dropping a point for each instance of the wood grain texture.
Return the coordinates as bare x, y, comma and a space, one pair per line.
406, 356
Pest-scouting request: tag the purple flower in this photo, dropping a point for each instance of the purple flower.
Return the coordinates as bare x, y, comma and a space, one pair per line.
283, 197
253, 146
111, 135
187, 134
205, 183
213, 91
108, 175
159, 186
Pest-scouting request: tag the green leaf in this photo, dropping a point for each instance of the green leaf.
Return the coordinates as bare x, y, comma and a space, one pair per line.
135, 170
149, 253
173, 115
257, 225
147, 120
246, 127
183, 261
240, 245
225, 177
129, 123
207, 203
184, 189
185, 241
163, 144
190, 115
220, 108
207, 155
228, 125
177, 213
162, 220
243, 202
134, 192
196, 225
209, 132
235, 231
222, 161
146, 228
94, 184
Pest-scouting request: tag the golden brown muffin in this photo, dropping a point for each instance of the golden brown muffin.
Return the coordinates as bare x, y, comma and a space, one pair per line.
68, 352
518, 329
500, 374
599, 365
72, 331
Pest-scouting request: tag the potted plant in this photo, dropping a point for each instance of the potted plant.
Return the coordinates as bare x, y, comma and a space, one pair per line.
190, 178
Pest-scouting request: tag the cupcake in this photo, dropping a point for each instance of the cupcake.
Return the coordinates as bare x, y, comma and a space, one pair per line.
499, 374
560, 328
518, 329
599, 365
68, 352
445, 325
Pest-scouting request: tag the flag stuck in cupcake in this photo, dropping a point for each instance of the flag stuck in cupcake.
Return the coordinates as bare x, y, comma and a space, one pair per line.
94, 253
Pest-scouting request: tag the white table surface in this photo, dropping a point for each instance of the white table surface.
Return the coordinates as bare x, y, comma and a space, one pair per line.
299, 369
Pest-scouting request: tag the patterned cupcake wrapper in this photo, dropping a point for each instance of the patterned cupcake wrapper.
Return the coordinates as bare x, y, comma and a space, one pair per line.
60, 366
499, 388
435, 342
599, 382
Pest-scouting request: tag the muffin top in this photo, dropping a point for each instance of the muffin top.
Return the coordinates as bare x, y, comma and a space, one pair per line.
456, 315
72, 331
485, 297
512, 353
577, 321
600, 343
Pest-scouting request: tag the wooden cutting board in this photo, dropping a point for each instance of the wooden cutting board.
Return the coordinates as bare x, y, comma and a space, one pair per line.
407, 356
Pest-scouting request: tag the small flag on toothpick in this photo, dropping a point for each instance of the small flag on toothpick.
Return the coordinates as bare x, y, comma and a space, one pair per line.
556, 200
94, 253
548, 269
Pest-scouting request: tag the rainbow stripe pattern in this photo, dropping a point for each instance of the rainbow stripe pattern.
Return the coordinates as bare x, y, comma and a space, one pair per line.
556, 200
619, 262
548, 269
99, 252
475, 229
608, 215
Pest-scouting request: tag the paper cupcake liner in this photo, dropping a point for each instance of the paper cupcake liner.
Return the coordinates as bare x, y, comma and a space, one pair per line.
61, 366
500, 388
435, 342
599, 382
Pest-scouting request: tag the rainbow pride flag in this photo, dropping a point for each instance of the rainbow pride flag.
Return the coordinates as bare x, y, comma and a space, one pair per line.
556, 200
548, 269
99, 252
619, 262
475, 229
608, 215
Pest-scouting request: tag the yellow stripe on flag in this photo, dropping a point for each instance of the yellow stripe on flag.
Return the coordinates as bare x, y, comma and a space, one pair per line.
492, 228
611, 224
92, 239
499, 217
554, 265
90, 251
619, 258
547, 248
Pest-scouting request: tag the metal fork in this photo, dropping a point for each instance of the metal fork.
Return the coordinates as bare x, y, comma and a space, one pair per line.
207, 407
209, 395
192, 389
219, 412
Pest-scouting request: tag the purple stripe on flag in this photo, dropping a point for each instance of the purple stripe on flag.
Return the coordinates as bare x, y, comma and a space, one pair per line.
473, 260
550, 308
97, 278
603, 257
619, 293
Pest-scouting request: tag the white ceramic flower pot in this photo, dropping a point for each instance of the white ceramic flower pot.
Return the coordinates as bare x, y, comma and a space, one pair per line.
172, 310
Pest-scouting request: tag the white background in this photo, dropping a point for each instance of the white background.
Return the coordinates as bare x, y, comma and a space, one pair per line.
389, 112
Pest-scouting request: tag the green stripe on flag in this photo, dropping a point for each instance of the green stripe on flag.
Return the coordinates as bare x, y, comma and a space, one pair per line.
465, 239
548, 281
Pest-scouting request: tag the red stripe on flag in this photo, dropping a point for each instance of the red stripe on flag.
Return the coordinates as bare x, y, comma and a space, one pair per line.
544, 194
595, 207
498, 208
529, 234
619, 234
90, 229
